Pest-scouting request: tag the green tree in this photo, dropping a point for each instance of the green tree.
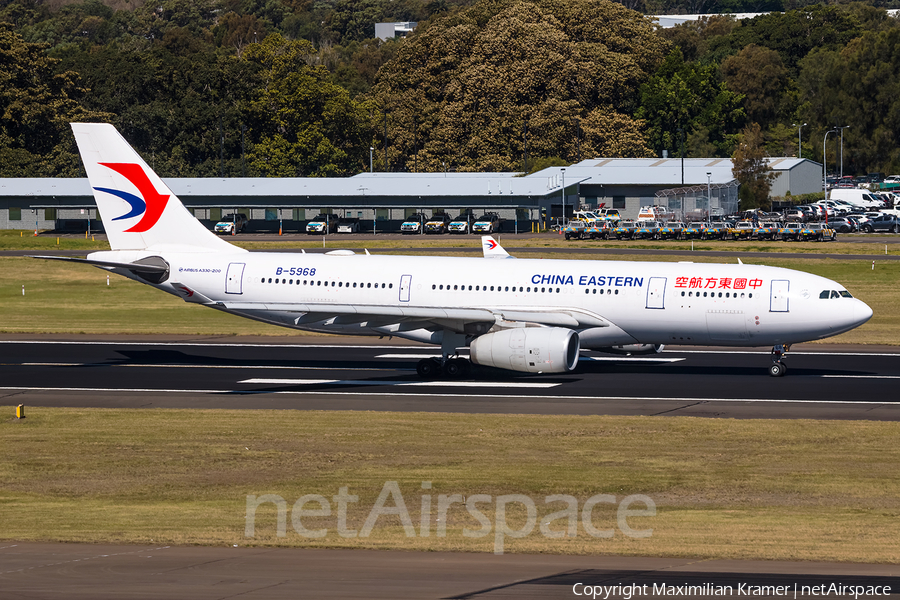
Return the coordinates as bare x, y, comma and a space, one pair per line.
468, 89
36, 107
857, 87
759, 76
792, 34
688, 96
302, 124
751, 169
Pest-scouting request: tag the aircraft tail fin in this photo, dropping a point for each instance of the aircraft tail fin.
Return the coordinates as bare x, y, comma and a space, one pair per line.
138, 210
492, 248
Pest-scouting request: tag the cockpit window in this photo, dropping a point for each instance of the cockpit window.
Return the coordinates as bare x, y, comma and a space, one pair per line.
845, 294
825, 294
834, 294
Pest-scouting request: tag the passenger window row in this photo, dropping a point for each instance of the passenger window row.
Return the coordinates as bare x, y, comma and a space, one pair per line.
713, 294
320, 283
498, 288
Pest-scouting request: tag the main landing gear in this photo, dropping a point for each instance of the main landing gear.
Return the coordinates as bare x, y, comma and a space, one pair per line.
778, 368
453, 368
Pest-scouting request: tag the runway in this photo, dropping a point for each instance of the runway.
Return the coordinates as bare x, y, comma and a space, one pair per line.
83, 571
318, 373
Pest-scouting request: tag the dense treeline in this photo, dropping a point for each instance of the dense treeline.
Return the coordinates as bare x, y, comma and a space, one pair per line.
302, 87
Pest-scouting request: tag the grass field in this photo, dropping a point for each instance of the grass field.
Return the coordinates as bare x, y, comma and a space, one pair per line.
799, 490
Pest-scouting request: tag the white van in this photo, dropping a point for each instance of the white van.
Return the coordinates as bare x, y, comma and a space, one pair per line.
856, 197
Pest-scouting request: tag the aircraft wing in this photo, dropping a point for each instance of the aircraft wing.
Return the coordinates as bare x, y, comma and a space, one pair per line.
455, 318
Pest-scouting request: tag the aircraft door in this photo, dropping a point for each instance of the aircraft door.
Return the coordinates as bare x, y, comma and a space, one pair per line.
405, 284
656, 292
779, 299
234, 278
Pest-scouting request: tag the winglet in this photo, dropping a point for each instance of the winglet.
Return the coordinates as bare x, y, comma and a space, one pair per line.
492, 249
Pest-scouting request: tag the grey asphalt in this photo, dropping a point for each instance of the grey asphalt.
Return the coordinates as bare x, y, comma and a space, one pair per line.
823, 382
344, 373
32, 571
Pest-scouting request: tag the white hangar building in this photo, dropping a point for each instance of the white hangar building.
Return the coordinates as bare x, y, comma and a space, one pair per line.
383, 200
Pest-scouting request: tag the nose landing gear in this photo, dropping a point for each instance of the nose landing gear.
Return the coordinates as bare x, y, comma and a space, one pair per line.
778, 368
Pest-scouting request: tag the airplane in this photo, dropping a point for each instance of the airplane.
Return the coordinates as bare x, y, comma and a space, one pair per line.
522, 315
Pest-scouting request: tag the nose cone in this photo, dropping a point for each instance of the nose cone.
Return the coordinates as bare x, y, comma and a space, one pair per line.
861, 313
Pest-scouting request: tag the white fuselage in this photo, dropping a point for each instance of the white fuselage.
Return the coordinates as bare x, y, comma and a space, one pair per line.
608, 302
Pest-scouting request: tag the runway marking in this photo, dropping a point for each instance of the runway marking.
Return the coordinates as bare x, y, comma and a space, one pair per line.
203, 344
412, 355
725, 350
630, 359
436, 383
593, 358
488, 396
185, 366
861, 376
74, 560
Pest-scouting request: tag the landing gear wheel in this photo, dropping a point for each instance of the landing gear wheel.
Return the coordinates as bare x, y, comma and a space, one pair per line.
457, 368
777, 369
428, 368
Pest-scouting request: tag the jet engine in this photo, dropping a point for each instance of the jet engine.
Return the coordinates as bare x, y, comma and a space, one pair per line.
633, 349
527, 349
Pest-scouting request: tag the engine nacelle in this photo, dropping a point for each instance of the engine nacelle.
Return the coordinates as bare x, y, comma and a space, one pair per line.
633, 349
528, 349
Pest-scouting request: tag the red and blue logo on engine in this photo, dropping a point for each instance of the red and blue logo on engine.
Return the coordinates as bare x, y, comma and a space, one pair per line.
151, 206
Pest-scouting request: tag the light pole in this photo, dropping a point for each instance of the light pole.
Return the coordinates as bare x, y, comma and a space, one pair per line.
842, 128
824, 164
371, 151
799, 140
708, 192
563, 171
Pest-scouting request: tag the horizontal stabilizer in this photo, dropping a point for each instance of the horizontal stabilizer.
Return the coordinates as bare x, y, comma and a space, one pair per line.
148, 267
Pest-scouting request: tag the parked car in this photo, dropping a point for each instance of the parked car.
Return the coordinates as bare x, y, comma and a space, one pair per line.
625, 230
608, 214
413, 223
818, 232
646, 230
576, 229
231, 224
671, 230
322, 224
487, 223
790, 231
742, 230
438, 223
717, 230
348, 226
767, 230
883, 222
794, 214
693, 230
460, 224
843, 224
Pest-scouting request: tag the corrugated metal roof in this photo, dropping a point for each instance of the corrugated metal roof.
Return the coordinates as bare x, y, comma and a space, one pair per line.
387, 184
603, 171
656, 171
